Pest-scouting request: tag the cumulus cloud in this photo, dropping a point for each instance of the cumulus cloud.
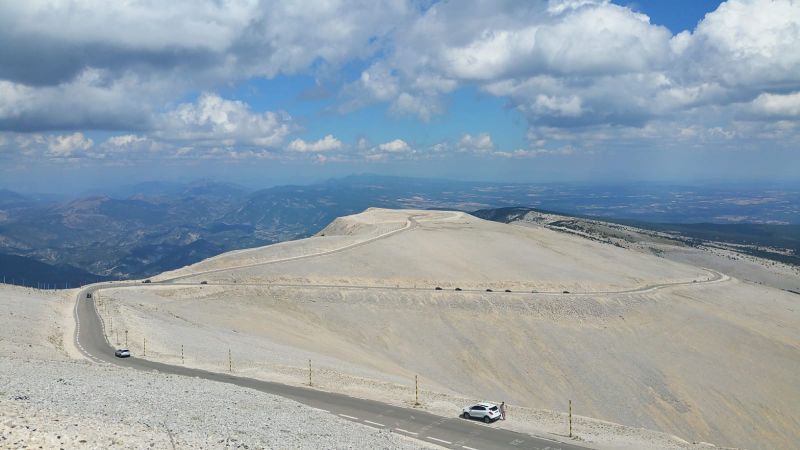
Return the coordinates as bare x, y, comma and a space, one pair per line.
576, 70
395, 146
481, 143
326, 144
212, 120
67, 145
775, 105
575, 64
140, 55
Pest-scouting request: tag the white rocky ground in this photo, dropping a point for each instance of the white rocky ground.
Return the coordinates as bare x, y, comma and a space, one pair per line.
447, 249
50, 400
707, 361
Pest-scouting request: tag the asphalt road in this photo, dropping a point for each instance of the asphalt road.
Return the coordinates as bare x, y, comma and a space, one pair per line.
449, 432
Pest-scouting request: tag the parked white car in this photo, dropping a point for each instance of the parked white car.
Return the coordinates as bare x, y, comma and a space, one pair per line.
488, 412
122, 353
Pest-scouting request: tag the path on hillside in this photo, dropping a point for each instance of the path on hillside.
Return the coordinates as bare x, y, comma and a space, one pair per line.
90, 338
715, 277
411, 223
448, 432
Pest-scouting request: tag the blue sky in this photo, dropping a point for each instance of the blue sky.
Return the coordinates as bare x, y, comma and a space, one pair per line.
264, 93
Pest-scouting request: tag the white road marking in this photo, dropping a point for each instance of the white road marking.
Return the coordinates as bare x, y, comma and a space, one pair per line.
406, 431
374, 423
438, 440
468, 448
348, 417
320, 409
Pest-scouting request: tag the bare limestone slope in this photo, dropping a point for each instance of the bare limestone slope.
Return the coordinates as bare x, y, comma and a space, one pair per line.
52, 398
638, 340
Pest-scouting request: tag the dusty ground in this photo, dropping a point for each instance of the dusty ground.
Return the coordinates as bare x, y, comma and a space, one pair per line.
446, 249
708, 361
48, 399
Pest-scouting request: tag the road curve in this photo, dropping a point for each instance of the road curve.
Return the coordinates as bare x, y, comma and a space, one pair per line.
411, 223
448, 432
443, 431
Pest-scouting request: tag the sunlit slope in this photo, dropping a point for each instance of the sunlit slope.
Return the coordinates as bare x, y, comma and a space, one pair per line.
638, 340
446, 249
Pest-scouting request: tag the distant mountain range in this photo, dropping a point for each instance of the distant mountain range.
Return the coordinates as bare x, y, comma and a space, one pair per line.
140, 230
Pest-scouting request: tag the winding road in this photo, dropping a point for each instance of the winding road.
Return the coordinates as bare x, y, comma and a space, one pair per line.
449, 432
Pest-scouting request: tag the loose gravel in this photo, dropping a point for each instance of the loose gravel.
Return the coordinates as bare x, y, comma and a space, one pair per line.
64, 404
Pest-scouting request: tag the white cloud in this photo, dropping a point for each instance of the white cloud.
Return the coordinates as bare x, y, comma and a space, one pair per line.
560, 6
214, 121
395, 146
774, 105
148, 54
747, 43
481, 143
577, 70
424, 107
66, 146
326, 144
579, 63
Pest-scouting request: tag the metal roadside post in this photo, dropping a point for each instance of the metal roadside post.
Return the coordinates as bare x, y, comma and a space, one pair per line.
416, 390
570, 418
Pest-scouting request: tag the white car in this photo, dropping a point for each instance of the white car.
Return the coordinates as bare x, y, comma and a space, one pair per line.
488, 412
122, 353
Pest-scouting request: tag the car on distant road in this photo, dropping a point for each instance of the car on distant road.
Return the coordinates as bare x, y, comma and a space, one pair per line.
146, 281
508, 290
488, 290
122, 353
204, 282
488, 412
438, 288
458, 289
89, 295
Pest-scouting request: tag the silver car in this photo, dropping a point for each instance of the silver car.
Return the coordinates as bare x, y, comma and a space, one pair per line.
122, 353
488, 412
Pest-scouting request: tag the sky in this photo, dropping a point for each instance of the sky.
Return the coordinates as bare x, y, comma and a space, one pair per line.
96, 93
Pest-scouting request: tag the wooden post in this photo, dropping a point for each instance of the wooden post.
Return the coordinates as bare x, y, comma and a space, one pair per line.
570, 418
230, 361
126, 338
309, 372
416, 390
181, 353
144, 350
